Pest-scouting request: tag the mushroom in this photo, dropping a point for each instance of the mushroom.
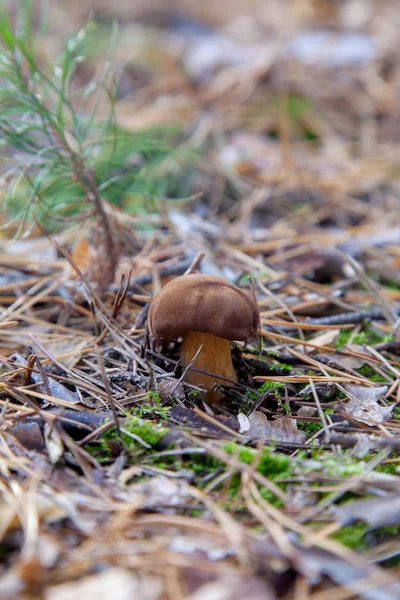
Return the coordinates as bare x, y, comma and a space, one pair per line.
207, 312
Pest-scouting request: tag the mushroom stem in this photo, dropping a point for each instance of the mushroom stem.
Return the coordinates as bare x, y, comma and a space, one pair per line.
214, 357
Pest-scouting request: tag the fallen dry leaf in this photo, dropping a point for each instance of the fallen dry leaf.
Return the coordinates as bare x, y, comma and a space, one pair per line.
363, 405
327, 338
364, 445
346, 574
171, 388
244, 423
307, 411
283, 429
377, 512
348, 362
50, 386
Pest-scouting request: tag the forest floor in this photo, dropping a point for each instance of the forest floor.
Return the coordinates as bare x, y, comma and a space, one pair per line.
117, 480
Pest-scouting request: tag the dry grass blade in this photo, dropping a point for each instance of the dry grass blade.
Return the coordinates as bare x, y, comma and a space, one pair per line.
107, 388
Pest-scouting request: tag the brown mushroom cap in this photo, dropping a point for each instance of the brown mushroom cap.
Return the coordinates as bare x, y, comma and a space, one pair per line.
202, 303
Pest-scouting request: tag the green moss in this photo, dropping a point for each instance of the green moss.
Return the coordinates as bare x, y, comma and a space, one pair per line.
154, 396
237, 508
389, 468
389, 283
368, 336
348, 497
271, 385
273, 464
245, 404
99, 449
352, 536
329, 464
278, 366
285, 406
269, 497
244, 279
96, 449
151, 405
371, 374
203, 464
275, 386
296, 105
234, 486
149, 432
316, 451
391, 563
347, 468
391, 530
270, 464
309, 427
246, 454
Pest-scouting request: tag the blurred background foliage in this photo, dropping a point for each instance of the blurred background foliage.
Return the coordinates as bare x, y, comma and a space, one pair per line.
182, 103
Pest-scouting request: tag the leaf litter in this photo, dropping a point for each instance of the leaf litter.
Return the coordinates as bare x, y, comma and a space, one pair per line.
257, 427
116, 480
363, 404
